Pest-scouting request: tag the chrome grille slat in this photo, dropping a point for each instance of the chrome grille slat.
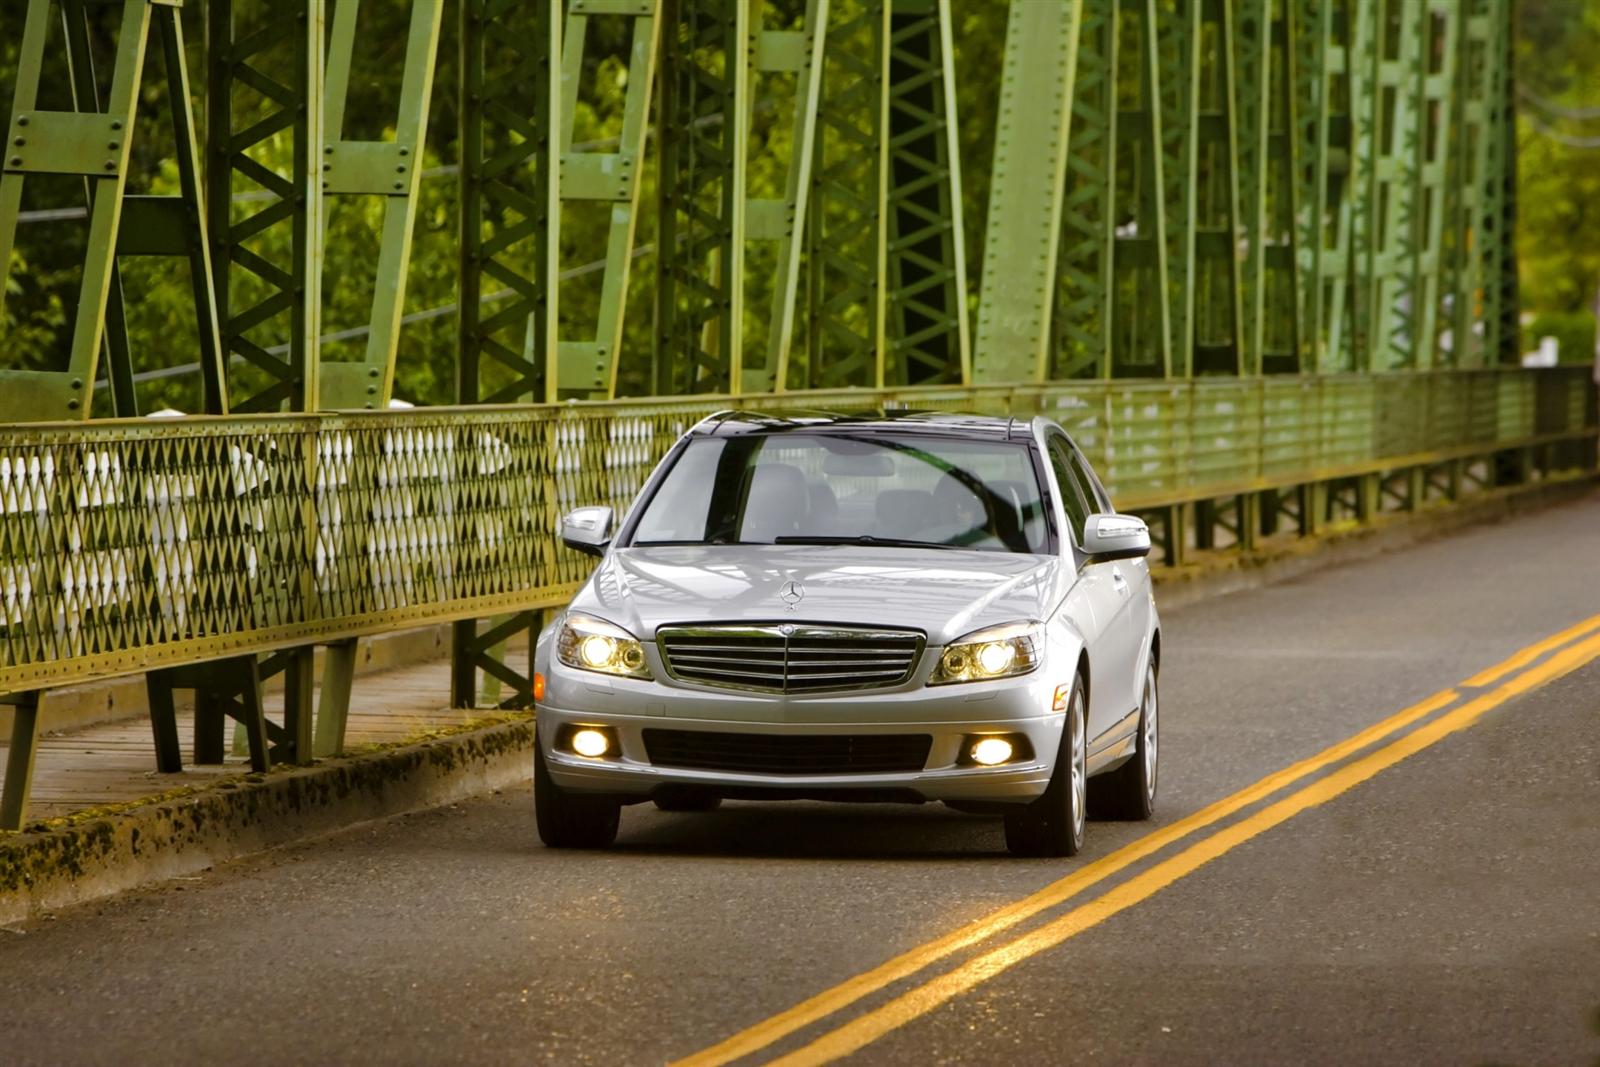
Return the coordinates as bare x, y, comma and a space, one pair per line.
808, 659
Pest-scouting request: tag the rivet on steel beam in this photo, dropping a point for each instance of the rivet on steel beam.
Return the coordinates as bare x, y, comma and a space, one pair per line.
116, 125
372, 372
327, 166
399, 185
114, 145
20, 141
404, 151
72, 405
16, 161
77, 383
327, 149
22, 120
401, 169
111, 164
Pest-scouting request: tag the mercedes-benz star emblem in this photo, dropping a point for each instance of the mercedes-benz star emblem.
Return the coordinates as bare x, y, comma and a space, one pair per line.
791, 594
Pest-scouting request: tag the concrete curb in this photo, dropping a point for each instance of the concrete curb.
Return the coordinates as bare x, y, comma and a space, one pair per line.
97, 854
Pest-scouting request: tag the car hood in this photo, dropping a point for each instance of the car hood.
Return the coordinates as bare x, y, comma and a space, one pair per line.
943, 592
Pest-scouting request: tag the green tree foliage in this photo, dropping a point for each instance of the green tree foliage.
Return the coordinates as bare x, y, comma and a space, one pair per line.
1558, 153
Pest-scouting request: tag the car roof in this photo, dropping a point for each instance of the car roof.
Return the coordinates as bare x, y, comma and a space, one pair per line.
943, 423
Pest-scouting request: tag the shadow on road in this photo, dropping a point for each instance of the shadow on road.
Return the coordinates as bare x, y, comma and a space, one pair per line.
810, 831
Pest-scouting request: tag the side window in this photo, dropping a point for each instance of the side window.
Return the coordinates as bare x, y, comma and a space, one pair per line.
1093, 490
1073, 498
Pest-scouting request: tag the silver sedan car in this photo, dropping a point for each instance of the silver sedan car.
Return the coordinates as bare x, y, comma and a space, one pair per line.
897, 607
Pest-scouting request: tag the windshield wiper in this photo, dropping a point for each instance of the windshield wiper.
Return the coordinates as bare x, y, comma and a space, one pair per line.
855, 539
690, 541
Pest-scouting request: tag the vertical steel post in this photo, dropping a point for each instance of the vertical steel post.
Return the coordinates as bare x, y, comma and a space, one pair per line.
702, 107
510, 218
588, 366
1435, 92
390, 169
799, 53
847, 231
511, 95
1269, 175
928, 332
285, 293
1021, 244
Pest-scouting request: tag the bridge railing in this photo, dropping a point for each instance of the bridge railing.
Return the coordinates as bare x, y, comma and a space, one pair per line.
127, 545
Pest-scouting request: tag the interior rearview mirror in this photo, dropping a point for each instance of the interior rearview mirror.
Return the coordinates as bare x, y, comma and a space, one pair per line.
1110, 537
587, 529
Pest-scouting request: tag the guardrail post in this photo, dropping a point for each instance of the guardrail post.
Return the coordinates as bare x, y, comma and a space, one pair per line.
20, 758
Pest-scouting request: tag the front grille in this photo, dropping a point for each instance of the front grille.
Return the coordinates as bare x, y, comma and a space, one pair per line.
788, 658
788, 754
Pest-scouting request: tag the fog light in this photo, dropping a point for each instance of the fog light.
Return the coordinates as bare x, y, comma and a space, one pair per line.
991, 751
594, 743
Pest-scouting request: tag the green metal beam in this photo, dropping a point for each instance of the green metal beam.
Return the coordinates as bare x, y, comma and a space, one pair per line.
588, 366
1026, 192
390, 169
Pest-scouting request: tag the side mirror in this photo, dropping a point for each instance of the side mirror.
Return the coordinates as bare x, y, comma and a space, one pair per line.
587, 529
1113, 537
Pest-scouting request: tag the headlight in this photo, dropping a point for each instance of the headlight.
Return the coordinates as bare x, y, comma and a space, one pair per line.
591, 644
998, 652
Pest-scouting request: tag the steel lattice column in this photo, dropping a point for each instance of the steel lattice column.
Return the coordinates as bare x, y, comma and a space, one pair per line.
1473, 149
1335, 33
705, 65
1264, 32
927, 261
1435, 92
1111, 311
846, 234
510, 206
511, 96
250, 104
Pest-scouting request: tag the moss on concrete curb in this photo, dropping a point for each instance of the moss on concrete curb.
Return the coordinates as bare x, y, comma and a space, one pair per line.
96, 853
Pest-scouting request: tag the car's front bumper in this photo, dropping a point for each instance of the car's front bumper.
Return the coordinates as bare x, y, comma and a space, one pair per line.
951, 715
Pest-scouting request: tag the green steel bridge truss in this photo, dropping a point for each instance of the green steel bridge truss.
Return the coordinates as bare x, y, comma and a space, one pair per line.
1255, 254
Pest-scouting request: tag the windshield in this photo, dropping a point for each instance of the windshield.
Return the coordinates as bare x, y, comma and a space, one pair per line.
793, 488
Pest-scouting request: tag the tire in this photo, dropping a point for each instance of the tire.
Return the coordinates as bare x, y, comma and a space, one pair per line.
687, 802
1053, 824
568, 820
1129, 792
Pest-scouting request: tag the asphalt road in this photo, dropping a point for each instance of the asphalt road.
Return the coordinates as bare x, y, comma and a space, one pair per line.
1443, 909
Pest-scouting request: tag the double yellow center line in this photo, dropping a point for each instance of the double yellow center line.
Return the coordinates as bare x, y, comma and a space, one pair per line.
1572, 648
